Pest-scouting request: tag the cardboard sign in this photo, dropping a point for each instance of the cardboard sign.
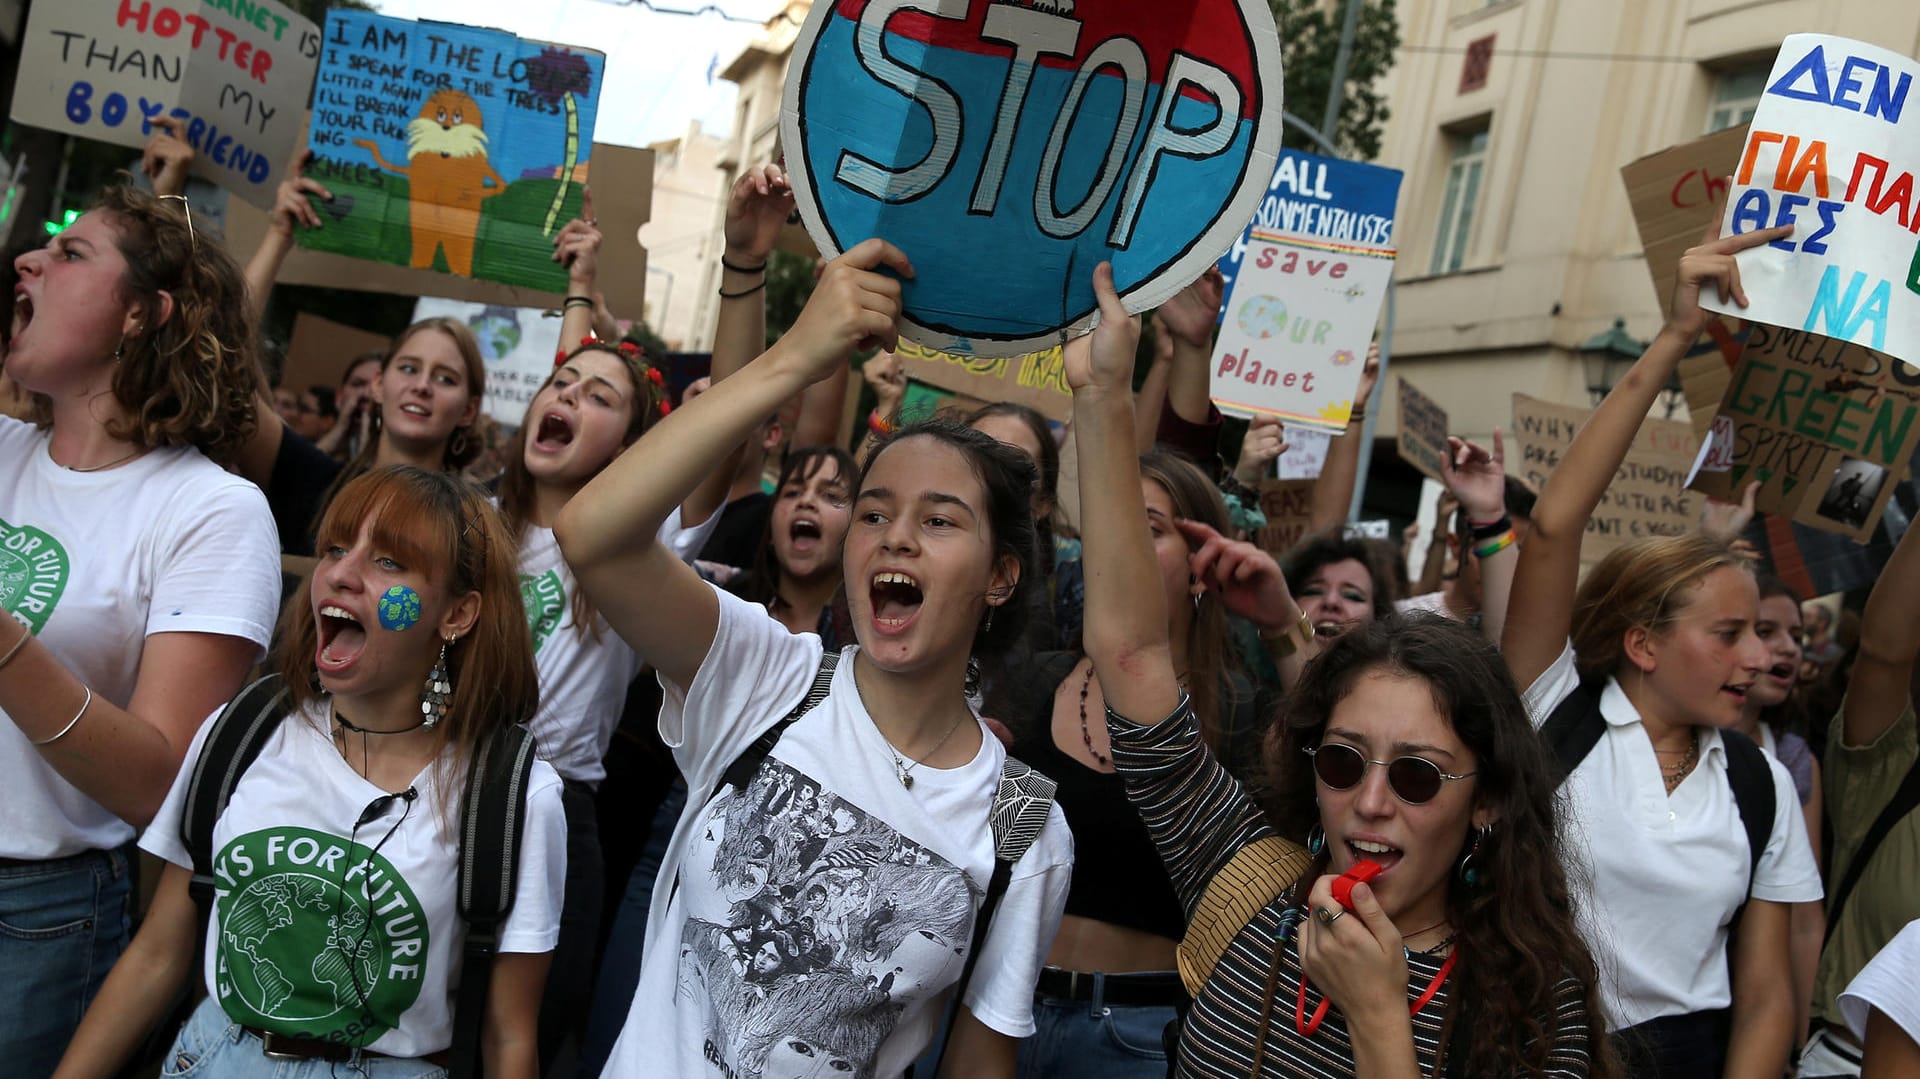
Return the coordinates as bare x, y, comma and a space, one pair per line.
1423, 431
517, 343
1832, 149
1673, 194
1008, 148
1827, 429
623, 262
1305, 455
236, 72
1288, 505
1037, 379
450, 148
321, 349
1645, 499
1307, 294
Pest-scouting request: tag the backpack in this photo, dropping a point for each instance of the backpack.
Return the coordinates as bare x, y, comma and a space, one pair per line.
1575, 726
493, 813
1021, 803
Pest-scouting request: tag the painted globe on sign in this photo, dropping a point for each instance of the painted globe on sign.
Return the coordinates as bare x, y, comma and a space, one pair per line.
1262, 317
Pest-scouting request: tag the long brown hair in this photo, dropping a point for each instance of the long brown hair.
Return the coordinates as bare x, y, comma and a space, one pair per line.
193, 379
1516, 930
1211, 658
462, 446
444, 523
1647, 584
517, 485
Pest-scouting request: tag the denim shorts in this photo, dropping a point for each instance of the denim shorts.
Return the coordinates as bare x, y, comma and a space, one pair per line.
213, 1046
1095, 1040
63, 923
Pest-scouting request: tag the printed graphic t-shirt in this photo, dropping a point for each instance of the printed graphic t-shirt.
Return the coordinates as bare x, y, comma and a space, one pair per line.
93, 563
321, 930
823, 913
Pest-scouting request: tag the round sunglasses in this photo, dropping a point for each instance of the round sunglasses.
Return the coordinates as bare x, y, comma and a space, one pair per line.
1414, 780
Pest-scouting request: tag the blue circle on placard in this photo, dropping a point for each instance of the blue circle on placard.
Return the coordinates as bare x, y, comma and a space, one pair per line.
999, 281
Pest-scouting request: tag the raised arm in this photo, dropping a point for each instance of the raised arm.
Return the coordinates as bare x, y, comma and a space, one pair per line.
1889, 641
609, 531
1478, 479
757, 210
167, 156
1126, 617
1333, 493
1189, 319
577, 247
1153, 390
1541, 610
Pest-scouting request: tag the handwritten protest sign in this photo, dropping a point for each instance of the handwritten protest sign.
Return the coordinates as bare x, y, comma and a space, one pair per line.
1307, 293
1645, 498
1423, 430
1673, 194
1288, 505
1009, 148
1827, 429
1037, 379
517, 344
1832, 150
235, 72
1305, 455
450, 148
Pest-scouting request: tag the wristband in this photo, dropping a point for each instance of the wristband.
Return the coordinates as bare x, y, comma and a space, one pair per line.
1283, 646
25, 636
576, 301
1496, 545
725, 295
1492, 528
877, 425
737, 268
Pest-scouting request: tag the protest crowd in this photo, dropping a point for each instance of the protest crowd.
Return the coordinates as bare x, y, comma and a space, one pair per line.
668, 736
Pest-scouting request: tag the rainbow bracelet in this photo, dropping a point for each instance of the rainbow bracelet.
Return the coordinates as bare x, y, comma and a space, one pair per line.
1495, 545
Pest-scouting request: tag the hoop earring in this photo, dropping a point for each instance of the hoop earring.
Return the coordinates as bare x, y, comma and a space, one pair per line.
1470, 874
1316, 840
457, 445
439, 688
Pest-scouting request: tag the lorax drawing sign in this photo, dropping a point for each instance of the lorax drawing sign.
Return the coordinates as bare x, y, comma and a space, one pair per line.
448, 147
1009, 147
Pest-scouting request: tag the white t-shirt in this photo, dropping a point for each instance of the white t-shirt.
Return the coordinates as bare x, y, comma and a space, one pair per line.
583, 672
290, 947
93, 563
1666, 872
1886, 985
822, 914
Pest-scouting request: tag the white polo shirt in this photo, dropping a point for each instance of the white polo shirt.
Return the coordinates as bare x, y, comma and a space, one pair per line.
1664, 873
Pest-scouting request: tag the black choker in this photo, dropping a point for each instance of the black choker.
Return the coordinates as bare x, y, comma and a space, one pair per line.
347, 725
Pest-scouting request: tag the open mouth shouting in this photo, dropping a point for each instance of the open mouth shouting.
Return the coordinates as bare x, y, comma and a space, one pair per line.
1783, 675
1738, 692
555, 432
22, 311
342, 639
896, 599
804, 534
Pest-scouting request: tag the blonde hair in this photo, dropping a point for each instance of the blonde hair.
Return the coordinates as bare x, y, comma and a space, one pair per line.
1645, 585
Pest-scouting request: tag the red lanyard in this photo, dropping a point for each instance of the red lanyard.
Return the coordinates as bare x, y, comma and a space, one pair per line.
1307, 1027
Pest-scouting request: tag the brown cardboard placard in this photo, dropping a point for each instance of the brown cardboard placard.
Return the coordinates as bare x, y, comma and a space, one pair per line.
1423, 431
320, 350
623, 201
1037, 380
1827, 428
1645, 499
1673, 194
1288, 505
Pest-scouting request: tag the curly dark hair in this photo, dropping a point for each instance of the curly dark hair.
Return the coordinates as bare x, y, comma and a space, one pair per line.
1334, 545
1519, 926
192, 381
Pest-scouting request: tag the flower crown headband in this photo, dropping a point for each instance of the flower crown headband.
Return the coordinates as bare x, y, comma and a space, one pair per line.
631, 352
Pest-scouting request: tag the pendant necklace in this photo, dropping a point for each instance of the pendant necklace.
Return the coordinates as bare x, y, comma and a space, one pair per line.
902, 769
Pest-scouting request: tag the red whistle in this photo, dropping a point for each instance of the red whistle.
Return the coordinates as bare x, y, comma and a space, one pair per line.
1343, 885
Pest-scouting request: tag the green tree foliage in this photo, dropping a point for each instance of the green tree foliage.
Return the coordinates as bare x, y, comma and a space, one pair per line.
1309, 40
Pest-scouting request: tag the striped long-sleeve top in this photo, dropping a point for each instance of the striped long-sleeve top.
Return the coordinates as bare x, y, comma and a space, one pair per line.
1199, 818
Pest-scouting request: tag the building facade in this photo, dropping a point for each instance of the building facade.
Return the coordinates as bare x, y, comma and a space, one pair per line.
681, 236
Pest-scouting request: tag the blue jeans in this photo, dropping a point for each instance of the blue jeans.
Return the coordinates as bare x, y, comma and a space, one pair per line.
1095, 1040
62, 925
213, 1046
620, 963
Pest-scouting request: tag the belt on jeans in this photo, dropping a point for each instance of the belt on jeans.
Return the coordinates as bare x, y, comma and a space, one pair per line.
292, 1047
1154, 989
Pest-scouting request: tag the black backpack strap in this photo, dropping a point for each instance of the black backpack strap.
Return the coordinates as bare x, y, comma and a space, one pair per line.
1021, 805
1574, 727
238, 734
1905, 800
493, 821
1754, 795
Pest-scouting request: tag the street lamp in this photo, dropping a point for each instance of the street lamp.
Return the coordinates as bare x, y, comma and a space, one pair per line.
1609, 355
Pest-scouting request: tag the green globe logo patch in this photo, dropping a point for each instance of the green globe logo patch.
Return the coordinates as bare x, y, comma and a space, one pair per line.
399, 608
318, 938
33, 574
546, 601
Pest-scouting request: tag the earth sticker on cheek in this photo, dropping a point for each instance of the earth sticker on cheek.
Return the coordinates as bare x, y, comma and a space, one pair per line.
399, 608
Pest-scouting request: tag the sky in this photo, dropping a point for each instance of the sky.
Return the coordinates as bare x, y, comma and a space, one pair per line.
657, 63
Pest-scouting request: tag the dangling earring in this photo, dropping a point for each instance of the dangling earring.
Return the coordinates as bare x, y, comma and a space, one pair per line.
1470, 874
433, 699
988, 628
1316, 840
120, 350
457, 445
